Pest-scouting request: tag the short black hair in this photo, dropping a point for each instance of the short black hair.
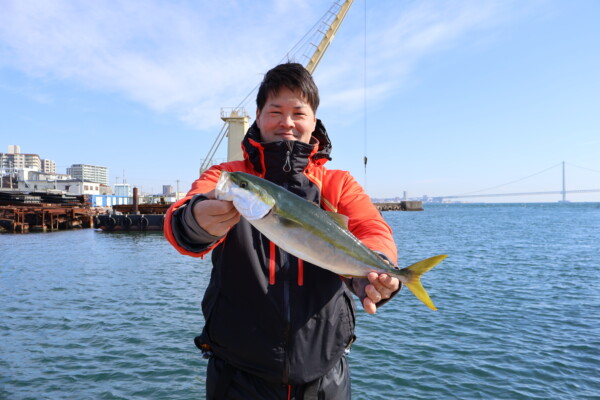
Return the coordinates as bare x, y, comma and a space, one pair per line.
292, 76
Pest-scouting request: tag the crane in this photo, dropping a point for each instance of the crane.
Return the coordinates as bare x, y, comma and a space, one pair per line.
309, 49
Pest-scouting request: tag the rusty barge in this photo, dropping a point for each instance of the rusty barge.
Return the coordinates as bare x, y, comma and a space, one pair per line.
133, 217
43, 212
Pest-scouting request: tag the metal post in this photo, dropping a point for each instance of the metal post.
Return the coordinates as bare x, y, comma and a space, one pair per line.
135, 201
564, 186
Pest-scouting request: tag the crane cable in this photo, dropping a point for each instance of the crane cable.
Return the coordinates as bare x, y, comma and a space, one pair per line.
365, 93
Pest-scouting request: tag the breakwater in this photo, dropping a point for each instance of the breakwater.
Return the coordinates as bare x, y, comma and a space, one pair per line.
404, 205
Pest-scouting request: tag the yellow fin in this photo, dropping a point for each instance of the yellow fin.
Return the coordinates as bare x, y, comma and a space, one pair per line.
413, 278
340, 219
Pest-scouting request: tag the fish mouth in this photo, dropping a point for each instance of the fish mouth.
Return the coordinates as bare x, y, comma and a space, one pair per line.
248, 204
223, 188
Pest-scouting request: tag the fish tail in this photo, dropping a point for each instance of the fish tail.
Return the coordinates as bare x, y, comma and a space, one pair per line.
412, 278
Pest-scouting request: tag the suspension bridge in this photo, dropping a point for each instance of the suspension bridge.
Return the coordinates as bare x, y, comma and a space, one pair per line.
563, 192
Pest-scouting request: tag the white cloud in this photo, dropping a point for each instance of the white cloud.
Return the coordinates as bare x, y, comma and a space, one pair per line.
399, 38
191, 59
170, 57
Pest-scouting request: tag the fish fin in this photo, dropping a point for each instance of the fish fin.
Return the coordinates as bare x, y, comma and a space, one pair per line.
340, 219
413, 278
286, 222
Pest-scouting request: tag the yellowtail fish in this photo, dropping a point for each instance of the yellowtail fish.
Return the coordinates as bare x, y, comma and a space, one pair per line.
306, 231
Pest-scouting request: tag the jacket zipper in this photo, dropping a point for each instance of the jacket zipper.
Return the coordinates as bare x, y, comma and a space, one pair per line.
287, 315
287, 309
287, 167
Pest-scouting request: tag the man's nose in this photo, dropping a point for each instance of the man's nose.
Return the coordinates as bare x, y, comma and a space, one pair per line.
286, 120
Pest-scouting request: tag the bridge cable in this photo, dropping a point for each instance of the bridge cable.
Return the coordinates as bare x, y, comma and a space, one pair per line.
577, 166
509, 183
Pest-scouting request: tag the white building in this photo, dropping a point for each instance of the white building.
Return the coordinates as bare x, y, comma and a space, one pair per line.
70, 186
48, 166
91, 173
14, 161
123, 189
28, 174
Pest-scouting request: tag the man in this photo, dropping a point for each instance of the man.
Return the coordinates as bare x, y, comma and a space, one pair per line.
276, 327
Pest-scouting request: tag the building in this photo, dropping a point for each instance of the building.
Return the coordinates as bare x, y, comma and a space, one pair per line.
14, 161
48, 166
167, 190
10, 162
70, 186
89, 173
123, 189
27, 174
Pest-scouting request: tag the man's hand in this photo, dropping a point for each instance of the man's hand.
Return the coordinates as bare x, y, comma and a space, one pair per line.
381, 287
215, 216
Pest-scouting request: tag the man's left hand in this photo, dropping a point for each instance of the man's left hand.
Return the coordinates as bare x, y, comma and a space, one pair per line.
381, 287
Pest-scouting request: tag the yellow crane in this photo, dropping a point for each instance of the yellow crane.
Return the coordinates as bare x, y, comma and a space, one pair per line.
310, 48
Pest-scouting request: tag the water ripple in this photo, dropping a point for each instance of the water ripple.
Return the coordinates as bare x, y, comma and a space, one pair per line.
90, 315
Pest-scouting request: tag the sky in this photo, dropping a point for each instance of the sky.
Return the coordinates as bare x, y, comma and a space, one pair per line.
443, 97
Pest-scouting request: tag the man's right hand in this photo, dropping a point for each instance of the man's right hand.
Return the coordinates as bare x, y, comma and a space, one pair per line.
215, 216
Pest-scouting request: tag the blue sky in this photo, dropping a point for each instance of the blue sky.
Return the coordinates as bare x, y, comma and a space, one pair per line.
444, 97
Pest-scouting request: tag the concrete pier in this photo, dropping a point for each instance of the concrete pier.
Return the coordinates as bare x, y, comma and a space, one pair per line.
404, 205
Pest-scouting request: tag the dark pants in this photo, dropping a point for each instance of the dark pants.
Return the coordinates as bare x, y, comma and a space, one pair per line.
226, 382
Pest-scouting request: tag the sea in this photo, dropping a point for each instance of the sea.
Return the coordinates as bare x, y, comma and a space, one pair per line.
87, 314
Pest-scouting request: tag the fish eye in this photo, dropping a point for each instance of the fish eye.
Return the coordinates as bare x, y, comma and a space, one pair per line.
243, 185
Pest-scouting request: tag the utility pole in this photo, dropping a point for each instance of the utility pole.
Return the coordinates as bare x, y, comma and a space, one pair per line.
177, 191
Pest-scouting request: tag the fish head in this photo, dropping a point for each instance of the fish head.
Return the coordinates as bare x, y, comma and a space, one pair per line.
246, 192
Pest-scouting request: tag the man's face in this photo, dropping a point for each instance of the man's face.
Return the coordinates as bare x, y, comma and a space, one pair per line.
286, 116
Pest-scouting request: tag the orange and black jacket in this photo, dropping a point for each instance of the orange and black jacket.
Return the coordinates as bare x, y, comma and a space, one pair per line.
267, 312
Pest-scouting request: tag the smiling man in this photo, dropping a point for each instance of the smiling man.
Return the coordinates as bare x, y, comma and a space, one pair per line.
286, 116
278, 327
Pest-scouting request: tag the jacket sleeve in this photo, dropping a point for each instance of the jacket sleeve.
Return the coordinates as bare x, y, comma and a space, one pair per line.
180, 229
186, 230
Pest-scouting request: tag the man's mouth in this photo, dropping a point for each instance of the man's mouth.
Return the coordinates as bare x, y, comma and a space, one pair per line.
287, 134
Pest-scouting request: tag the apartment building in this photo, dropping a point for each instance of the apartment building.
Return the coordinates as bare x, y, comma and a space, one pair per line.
89, 173
14, 160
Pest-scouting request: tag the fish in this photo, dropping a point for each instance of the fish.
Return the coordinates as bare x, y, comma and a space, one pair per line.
312, 234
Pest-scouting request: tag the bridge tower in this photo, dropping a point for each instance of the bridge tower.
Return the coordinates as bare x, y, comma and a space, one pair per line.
564, 185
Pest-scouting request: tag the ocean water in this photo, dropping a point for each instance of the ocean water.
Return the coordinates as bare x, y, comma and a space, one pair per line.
94, 315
